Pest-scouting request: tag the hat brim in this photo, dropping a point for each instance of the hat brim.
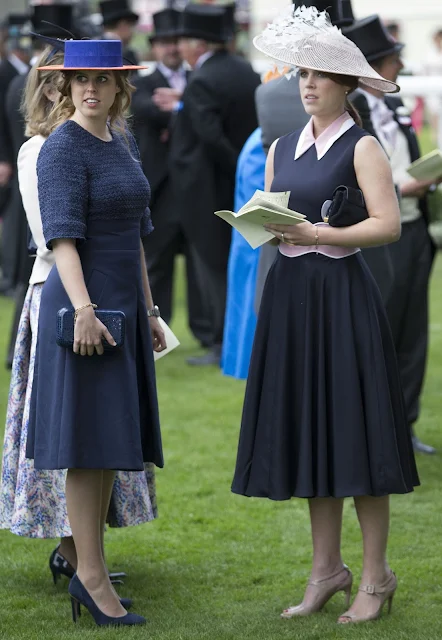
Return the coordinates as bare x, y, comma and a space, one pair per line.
396, 48
202, 35
58, 67
123, 15
166, 35
348, 63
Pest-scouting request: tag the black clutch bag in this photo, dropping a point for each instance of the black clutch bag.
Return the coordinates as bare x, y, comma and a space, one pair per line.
114, 321
347, 207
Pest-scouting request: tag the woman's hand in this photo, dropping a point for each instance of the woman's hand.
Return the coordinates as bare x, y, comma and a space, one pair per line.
158, 337
302, 234
88, 333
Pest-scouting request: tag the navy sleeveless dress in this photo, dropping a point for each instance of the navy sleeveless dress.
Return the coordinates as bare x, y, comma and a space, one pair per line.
95, 412
323, 412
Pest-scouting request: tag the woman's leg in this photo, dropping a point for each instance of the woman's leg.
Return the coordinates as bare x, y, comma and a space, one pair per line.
374, 518
84, 497
326, 524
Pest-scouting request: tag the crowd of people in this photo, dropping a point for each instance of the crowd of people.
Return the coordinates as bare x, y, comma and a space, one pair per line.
329, 323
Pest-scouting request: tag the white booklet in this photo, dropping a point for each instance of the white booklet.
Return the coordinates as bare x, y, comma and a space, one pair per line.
171, 340
264, 207
429, 167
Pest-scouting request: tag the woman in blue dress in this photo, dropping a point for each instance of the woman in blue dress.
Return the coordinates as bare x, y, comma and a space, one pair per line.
323, 414
240, 322
93, 411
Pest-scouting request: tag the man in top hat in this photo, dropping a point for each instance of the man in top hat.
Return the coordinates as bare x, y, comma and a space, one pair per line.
153, 106
119, 22
280, 111
216, 118
389, 121
15, 228
15, 63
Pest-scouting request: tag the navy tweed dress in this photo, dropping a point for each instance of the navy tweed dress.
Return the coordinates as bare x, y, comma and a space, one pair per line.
97, 412
323, 412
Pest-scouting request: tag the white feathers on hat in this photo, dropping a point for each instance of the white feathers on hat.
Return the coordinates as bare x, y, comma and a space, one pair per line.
305, 37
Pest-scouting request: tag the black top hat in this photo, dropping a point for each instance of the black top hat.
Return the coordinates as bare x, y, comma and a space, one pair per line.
59, 15
229, 19
340, 11
205, 22
15, 20
114, 10
165, 24
372, 38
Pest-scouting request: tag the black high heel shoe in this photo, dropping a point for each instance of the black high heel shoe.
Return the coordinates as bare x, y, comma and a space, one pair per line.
59, 566
80, 596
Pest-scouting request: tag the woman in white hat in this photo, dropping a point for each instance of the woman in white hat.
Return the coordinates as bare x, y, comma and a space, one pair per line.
323, 415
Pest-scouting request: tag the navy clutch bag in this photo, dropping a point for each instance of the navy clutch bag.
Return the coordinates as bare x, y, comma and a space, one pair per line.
114, 321
347, 207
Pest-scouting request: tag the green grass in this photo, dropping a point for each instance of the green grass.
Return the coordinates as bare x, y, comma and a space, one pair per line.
218, 566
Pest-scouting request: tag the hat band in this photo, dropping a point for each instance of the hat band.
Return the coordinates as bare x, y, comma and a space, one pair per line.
90, 62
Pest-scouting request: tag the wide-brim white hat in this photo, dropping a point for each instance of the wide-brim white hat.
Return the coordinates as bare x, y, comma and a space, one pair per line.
305, 38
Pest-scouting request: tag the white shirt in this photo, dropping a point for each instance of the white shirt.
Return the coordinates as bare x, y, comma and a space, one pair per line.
395, 144
177, 79
202, 59
21, 67
27, 180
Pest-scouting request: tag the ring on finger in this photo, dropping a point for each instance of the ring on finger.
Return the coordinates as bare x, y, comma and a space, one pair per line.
282, 237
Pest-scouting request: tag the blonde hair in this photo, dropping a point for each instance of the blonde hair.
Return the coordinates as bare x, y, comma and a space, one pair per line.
35, 106
118, 113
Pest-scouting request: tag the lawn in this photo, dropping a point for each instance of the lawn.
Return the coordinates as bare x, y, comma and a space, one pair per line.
218, 566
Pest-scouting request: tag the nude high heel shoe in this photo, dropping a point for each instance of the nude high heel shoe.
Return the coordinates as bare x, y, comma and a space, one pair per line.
325, 589
384, 593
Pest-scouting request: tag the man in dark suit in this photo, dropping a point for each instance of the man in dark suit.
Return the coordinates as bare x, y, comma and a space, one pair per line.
154, 105
119, 22
217, 116
387, 119
15, 231
15, 63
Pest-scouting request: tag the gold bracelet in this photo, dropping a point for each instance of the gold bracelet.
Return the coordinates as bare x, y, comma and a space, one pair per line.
85, 306
316, 239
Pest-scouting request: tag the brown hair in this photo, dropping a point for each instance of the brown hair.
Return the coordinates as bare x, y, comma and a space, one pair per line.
36, 108
352, 83
119, 111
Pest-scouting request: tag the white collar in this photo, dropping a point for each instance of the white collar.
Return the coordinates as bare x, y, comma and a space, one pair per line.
21, 67
202, 59
168, 72
327, 138
371, 99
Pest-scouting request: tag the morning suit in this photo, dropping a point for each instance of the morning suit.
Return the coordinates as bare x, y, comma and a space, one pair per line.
152, 129
7, 74
411, 259
15, 228
217, 116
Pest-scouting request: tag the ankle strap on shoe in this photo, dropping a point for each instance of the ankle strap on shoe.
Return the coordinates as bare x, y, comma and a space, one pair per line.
334, 575
374, 590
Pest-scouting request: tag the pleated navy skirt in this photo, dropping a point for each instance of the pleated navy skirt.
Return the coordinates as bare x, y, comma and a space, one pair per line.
97, 412
323, 412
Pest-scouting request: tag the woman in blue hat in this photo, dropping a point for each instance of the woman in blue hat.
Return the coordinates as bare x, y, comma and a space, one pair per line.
94, 405
32, 502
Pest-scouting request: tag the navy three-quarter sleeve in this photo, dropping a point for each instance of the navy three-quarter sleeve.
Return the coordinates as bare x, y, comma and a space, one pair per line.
146, 226
62, 190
